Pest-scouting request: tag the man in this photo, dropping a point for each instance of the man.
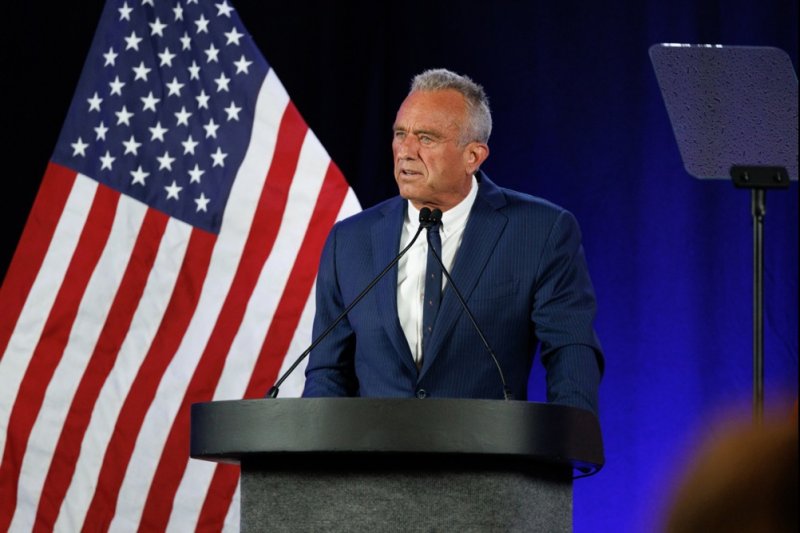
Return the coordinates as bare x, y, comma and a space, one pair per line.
517, 260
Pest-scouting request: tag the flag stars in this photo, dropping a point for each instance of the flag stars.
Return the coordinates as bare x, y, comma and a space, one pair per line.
79, 148
183, 116
131, 146
94, 102
202, 203
101, 131
212, 54
157, 132
166, 57
194, 71
222, 82
233, 36
219, 158
133, 41
233, 112
165, 161
149, 102
189, 145
116, 86
195, 174
111, 57
157, 27
186, 41
125, 12
106, 161
202, 99
123, 116
242, 65
161, 49
202, 24
139, 176
173, 190
175, 87
223, 9
141, 72
211, 128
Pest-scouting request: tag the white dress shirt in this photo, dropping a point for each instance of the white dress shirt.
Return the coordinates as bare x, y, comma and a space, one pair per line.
411, 268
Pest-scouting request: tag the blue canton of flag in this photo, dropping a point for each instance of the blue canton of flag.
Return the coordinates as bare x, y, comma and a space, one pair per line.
167, 115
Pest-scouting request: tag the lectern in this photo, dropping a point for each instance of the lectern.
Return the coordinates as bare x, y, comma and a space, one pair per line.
357, 464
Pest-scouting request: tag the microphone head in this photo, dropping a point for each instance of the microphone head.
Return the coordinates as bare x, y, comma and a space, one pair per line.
425, 217
436, 216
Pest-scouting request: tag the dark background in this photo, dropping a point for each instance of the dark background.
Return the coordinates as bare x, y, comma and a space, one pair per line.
579, 120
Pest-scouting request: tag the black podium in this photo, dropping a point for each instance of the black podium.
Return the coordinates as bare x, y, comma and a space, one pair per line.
351, 464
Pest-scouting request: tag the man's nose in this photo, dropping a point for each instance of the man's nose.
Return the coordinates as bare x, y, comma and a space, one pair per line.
408, 146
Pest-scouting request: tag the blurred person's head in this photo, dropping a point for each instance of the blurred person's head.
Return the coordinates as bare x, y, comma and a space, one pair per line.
744, 479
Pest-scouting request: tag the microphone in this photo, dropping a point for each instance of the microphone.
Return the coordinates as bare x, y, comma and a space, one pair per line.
434, 220
424, 222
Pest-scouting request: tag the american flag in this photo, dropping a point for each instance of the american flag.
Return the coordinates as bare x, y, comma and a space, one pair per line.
169, 258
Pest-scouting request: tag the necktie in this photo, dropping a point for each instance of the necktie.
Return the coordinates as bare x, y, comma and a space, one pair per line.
433, 287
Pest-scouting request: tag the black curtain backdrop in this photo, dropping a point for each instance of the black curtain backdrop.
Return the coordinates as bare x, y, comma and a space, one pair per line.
579, 120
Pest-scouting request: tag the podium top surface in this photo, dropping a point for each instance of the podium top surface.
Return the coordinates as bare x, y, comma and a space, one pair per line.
237, 430
729, 106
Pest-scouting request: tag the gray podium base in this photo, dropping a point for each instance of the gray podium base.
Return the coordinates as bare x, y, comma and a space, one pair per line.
441, 500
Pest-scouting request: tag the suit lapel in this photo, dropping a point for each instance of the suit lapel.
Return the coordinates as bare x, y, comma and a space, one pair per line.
484, 227
385, 249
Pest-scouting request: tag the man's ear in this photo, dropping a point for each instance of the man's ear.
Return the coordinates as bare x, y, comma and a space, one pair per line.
474, 155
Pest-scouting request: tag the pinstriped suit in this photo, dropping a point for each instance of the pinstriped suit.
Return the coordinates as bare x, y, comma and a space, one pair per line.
520, 268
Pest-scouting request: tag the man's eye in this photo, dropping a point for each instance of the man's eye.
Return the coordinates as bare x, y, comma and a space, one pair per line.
424, 139
399, 135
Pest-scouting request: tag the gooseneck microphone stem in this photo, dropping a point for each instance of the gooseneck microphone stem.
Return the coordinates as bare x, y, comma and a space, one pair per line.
436, 216
424, 216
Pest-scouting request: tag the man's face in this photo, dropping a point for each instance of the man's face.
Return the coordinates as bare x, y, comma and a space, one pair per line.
431, 166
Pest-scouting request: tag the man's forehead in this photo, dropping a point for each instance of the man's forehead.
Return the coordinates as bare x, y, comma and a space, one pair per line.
431, 110
447, 100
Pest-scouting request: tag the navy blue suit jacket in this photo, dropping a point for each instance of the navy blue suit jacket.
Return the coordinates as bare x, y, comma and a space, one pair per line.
522, 271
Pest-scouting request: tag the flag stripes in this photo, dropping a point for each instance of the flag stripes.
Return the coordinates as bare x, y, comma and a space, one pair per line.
73, 368
33, 312
50, 347
32, 249
107, 407
117, 324
287, 316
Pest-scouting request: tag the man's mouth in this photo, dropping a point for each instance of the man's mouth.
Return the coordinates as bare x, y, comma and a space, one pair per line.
408, 172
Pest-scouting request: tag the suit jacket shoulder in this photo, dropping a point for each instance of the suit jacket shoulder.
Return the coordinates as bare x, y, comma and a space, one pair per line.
364, 220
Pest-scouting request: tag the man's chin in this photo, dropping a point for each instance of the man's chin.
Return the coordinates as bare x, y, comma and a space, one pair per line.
409, 193
404, 187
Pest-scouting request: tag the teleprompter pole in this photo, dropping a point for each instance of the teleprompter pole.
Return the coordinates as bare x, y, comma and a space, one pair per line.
758, 179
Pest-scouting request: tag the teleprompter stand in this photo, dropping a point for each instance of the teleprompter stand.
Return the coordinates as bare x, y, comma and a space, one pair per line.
733, 110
